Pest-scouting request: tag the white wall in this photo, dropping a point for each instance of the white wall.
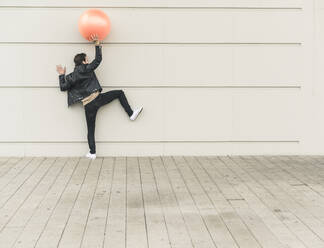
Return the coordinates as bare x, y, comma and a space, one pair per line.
214, 77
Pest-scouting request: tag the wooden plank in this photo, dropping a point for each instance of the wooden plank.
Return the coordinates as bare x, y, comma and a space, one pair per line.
28, 236
262, 213
94, 233
314, 162
136, 227
304, 169
221, 194
223, 201
197, 228
177, 227
27, 208
8, 164
53, 231
4, 160
274, 206
72, 235
115, 228
195, 182
12, 204
309, 230
10, 189
308, 190
303, 186
157, 231
13, 171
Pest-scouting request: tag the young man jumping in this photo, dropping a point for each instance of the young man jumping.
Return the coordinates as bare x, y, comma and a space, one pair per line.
83, 86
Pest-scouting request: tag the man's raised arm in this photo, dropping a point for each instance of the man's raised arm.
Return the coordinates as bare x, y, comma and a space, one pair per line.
96, 62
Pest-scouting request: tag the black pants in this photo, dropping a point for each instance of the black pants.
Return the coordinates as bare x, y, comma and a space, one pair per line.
91, 112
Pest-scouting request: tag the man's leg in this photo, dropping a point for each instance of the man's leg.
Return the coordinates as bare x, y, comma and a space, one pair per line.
91, 114
109, 96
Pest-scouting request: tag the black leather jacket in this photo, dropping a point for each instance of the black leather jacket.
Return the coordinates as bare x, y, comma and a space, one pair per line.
82, 81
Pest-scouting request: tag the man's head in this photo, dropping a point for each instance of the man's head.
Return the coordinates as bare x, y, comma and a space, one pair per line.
81, 58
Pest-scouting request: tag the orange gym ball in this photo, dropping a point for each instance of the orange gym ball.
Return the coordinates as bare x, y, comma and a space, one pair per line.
94, 21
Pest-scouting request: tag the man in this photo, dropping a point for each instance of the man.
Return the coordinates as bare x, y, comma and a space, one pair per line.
83, 86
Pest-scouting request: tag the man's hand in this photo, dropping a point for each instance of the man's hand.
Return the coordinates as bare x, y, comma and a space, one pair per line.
60, 69
94, 38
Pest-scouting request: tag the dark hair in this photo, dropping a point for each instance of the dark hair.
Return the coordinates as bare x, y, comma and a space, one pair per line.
79, 58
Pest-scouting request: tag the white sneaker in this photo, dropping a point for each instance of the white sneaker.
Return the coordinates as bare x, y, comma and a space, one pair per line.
91, 156
136, 112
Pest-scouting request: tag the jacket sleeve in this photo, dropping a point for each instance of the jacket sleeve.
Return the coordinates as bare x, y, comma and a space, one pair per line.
96, 62
66, 82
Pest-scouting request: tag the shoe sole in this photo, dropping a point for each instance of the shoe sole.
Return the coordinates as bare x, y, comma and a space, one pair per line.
138, 114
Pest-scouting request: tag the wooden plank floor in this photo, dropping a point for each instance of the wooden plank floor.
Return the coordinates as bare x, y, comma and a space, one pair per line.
162, 202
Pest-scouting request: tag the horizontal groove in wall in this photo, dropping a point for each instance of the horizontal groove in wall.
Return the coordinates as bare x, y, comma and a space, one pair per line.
149, 43
158, 3
291, 7
164, 141
154, 7
163, 87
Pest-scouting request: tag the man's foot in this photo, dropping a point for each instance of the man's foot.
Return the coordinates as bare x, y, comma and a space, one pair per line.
91, 156
136, 112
